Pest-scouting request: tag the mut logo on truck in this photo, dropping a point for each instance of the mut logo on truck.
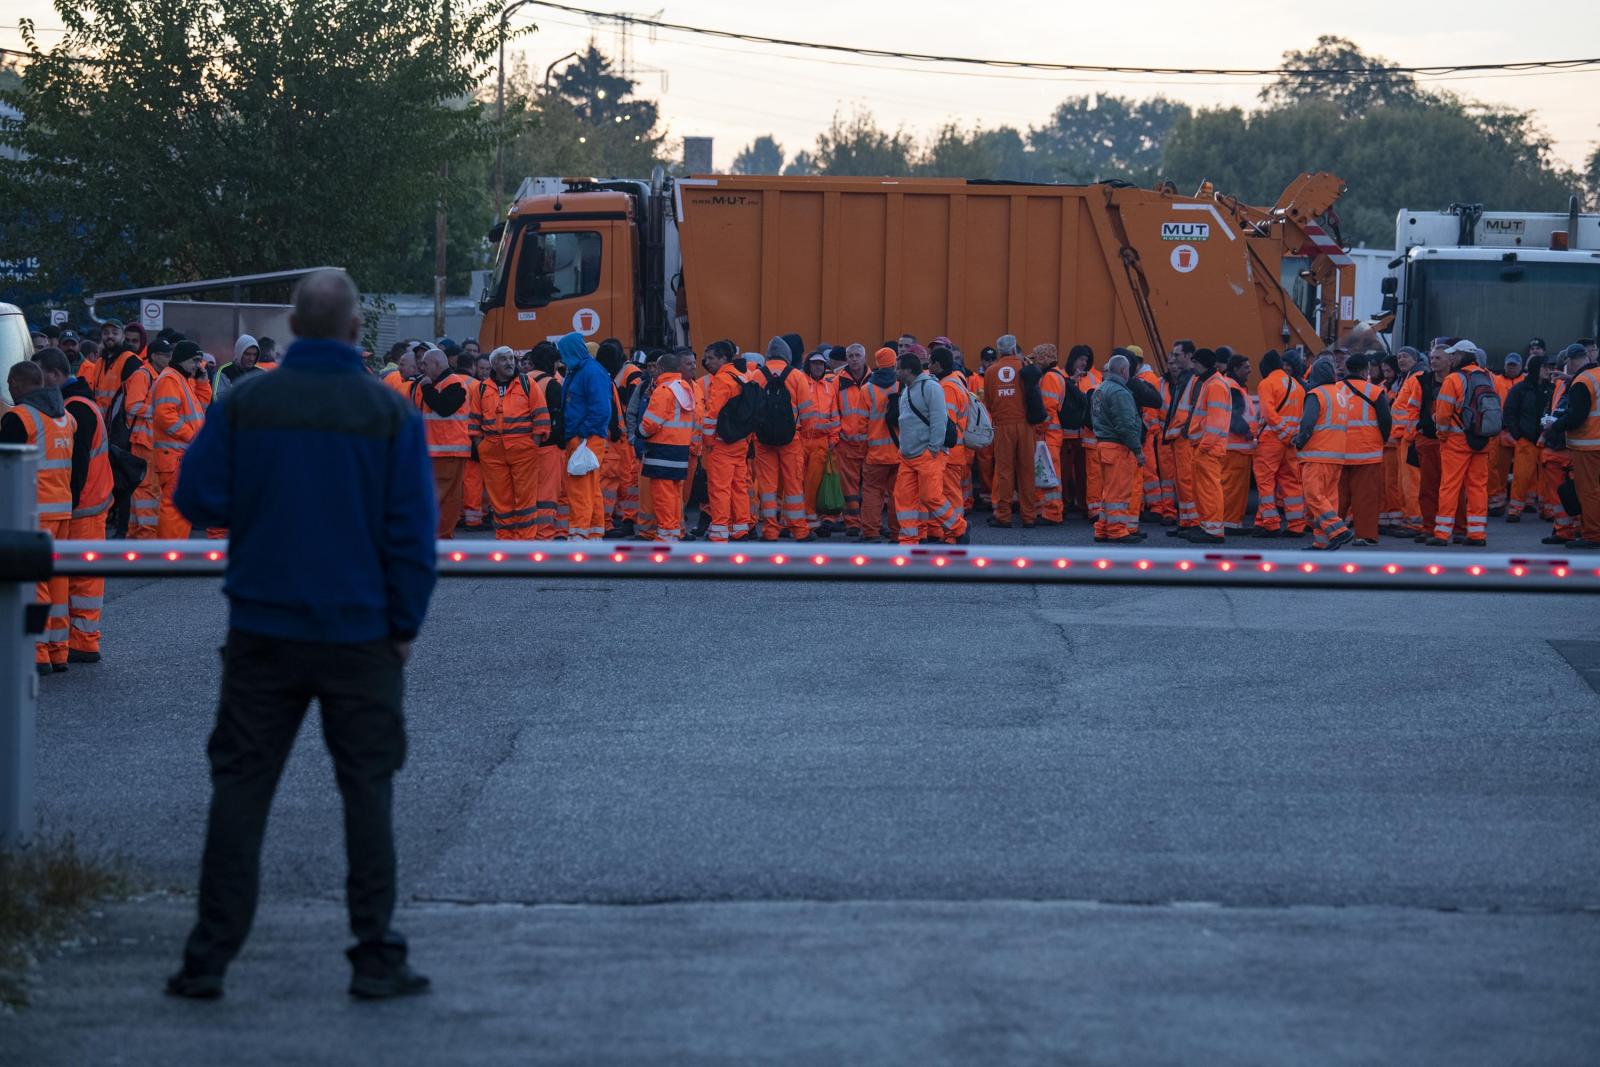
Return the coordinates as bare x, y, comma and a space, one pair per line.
1505, 227
726, 200
1185, 231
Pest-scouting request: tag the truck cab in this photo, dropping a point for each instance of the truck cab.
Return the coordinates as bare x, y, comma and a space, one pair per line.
1498, 278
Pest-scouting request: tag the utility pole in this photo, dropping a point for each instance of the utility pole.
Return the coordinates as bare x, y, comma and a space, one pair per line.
500, 113
439, 214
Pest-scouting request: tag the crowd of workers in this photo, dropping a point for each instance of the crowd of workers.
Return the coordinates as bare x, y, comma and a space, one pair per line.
573, 440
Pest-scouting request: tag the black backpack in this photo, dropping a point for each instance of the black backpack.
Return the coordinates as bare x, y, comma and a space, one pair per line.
774, 423
1074, 408
738, 417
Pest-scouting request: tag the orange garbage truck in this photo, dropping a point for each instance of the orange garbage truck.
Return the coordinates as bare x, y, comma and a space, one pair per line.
670, 261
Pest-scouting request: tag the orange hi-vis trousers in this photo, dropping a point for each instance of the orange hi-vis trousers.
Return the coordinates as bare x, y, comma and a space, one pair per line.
1586, 479
86, 594
619, 471
170, 525
55, 591
472, 493
144, 510
816, 453
585, 501
1013, 470
850, 457
666, 503
921, 510
1235, 488
1183, 468
550, 515
1499, 471
1393, 511
1050, 504
1322, 497
1524, 478
1278, 485
449, 481
957, 484
780, 477
510, 471
1207, 475
727, 490
1158, 495
877, 489
1120, 475
1463, 474
1554, 466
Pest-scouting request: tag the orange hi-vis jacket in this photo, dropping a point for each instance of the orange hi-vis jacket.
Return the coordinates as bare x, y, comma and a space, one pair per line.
724, 386
95, 496
853, 408
1363, 441
137, 407
667, 419
1183, 412
1003, 392
1452, 396
1327, 443
957, 403
1283, 401
1150, 416
516, 409
799, 387
880, 446
1213, 410
448, 435
1586, 438
1246, 441
108, 379
175, 416
53, 438
1053, 386
825, 409
1405, 410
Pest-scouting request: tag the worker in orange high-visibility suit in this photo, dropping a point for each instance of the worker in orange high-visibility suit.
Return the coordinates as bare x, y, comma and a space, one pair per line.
442, 398
1502, 448
1571, 432
1155, 485
820, 435
1012, 395
175, 418
1182, 386
114, 370
1321, 443
92, 486
1524, 408
1208, 445
781, 465
851, 414
619, 476
1464, 469
883, 455
550, 463
1276, 466
1399, 477
727, 474
40, 420
922, 511
958, 460
1119, 434
1050, 503
1083, 376
668, 425
1368, 424
509, 421
144, 511
1244, 425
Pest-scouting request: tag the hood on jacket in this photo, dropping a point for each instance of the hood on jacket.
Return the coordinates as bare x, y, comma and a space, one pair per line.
1321, 372
1530, 373
245, 341
797, 350
1271, 362
573, 350
1294, 361
47, 400
883, 377
779, 349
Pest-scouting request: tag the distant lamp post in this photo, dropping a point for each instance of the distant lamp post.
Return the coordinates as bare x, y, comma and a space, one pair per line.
500, 108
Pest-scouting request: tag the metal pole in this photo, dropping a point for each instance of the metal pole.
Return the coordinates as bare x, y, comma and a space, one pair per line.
19, 684
500, 114
439, 218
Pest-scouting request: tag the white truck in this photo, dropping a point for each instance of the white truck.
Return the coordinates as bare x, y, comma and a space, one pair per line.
1499, 278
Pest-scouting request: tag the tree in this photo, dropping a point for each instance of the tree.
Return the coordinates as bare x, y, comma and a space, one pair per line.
803, 164
1591, 179
860, 147
764, 155
1089, 138
248, 135
979, 153
1352, 93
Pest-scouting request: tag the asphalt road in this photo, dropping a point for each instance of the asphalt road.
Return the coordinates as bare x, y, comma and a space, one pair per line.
823, 822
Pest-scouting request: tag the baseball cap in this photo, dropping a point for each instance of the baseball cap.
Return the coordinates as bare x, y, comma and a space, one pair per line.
1462, 346
1512, 357
1537, 341
817, 357
1574, 351
112, 322
68, 335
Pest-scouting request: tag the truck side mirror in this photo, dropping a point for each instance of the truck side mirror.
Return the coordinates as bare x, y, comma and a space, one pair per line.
1389, 286
1390, 302
497, 231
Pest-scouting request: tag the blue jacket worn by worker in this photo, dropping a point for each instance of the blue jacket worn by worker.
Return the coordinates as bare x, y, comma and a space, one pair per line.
586, 399
321, 475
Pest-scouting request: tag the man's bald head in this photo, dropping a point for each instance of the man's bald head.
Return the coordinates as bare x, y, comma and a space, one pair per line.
327, 307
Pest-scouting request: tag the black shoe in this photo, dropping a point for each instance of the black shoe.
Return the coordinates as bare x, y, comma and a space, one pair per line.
1026, 525
74, 656
1422, 539
997, 524
1495, 513
806, 539
852, 534
1362, 542
1434, 542
195, 986
964, 539
1295, 533
1168, 520
1483, 542
1458, 539
1179, 531
396, 981
43, 669
1261, 531
1126, 539
1149, 518
1342, 540
1553, 539
1583, 544
1514, 518
1203, 538
1100, 540
58, 668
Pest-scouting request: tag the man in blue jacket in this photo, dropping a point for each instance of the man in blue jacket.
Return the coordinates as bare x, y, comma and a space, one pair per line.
588, 408
321, 476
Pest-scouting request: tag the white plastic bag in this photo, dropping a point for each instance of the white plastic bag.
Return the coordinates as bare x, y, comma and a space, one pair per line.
1044, 468
582, 461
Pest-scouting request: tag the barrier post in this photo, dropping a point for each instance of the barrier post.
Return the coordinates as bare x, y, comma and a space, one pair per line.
25, 558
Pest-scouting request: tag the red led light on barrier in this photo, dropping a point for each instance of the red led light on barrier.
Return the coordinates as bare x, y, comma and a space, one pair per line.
213, 556
698, 558
1143, 564
899, 561
618, 557
740, 558
1102, 564
1519, 571
1392, 568
537, 557
1225, 566
819, 560
780, 559
659, 557
1063, 564
859, 561
1184, 565
939, 561
1266, 568
980, 562
577, 557
457, 557
90, 557
1475, 570
173, 557
1434, 568
498, 557
1561, 572
131, 557
1308, 568
1350, 568
1021, 564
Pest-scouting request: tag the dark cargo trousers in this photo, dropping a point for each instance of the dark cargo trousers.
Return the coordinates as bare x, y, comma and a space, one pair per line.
267, 686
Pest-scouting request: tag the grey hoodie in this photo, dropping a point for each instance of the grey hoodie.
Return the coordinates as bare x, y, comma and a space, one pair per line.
1321, 373
922, 400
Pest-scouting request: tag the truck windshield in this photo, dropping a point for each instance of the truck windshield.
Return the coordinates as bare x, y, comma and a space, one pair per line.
1500, 305
557, 266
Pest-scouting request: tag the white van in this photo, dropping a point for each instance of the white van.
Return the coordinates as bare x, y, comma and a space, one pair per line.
16, 345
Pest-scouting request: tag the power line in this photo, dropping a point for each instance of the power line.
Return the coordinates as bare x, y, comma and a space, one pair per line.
1083, 68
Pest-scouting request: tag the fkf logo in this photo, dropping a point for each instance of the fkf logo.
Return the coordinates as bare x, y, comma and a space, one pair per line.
1186, 231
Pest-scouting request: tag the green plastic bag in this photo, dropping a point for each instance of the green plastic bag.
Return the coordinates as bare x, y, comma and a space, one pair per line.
830, 491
